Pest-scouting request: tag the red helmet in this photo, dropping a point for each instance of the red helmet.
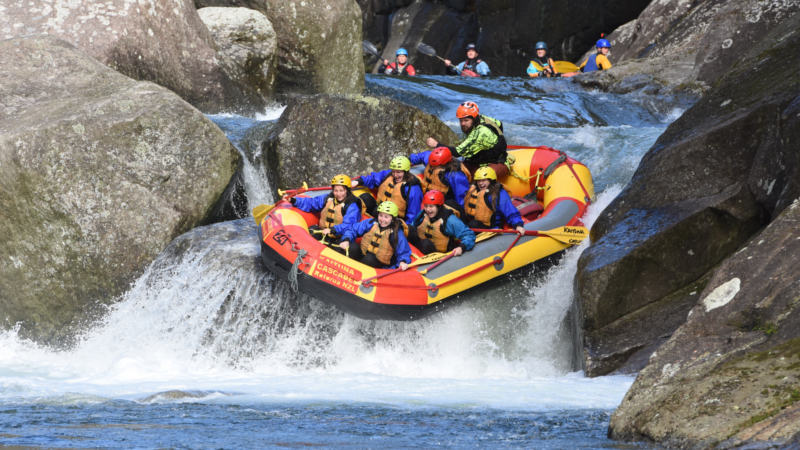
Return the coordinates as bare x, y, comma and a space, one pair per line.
467, 109
433, 198
440, 156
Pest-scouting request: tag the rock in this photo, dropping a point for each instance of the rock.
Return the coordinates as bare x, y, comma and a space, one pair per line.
322, 135
729, 374
246, 44
319, 43
716, 176
162, 42
98, 172
711, 36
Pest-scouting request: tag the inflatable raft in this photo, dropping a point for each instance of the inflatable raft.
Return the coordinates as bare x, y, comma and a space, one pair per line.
551, 191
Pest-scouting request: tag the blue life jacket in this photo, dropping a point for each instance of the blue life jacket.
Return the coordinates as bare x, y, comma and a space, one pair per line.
591, 64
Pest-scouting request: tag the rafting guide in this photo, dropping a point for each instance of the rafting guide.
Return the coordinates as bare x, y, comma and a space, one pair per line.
484, 143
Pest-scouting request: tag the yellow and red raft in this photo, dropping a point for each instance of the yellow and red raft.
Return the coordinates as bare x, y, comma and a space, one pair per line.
562, 188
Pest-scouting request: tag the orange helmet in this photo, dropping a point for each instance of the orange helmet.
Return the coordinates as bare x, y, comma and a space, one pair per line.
467, 109
440, 156
433, 198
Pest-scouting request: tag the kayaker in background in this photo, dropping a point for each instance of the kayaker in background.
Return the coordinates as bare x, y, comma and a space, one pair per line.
598, 61
338, 210
484, 144
443, 173
471, 67
437, 229
383, 241
398, 185
542, 64
488, 205
400, 66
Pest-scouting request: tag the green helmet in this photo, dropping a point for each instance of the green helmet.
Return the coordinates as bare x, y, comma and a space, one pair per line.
389, 208
400, 162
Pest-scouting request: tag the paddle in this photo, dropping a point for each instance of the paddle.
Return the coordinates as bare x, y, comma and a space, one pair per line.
261, 211
438, 258
567, 235
370, 48
426, 49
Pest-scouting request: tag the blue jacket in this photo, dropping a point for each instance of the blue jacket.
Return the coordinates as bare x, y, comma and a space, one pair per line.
481, 68
402, 251
458, 182
506, 211
412, 193
315, 204
453, 227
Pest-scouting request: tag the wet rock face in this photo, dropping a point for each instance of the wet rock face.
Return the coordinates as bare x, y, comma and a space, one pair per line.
712, 36
718, 174
730, 373
319, 43
98, 172
322, 135
162, 42
247, 45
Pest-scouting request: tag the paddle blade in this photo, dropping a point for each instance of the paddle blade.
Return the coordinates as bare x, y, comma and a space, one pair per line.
568, 235
261, 211
369, 47
426, 49
565, 66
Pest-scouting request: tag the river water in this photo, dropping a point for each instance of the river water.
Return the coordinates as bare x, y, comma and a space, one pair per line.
208, 351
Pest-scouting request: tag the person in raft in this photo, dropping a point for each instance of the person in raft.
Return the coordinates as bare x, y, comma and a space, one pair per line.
443, 173
337, 211
437, 229
542, 64
488, 205
484, 144
398, 185
400, 66
383, 242
471, 67
598, 61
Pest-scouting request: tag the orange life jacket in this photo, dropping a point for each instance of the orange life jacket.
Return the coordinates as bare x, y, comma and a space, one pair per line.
476, 207
433, 178
380, 243
434, 231
333, 212
389, 190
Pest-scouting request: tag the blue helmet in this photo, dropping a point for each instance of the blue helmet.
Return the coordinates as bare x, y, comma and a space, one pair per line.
541, 45
603, 43
401, 51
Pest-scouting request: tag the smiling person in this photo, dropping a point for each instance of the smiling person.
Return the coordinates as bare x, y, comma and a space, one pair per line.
488, 205
542, 64
398, 185
598, 61
437, 229
471, 67
400, 66
337, 211
383, 242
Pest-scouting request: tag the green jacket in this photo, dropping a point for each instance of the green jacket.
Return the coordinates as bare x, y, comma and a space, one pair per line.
484, 136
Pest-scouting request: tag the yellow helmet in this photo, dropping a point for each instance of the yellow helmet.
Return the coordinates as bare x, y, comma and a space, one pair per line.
388, 207
485, 173
340, 180
400, 162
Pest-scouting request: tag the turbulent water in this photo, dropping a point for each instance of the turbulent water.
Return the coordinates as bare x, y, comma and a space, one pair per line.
208, 350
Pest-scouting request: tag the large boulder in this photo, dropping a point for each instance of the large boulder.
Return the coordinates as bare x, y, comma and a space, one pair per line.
717, 175
704, 38
247, 45
729, 376
322, 135
319, 43
162, 42
98, 173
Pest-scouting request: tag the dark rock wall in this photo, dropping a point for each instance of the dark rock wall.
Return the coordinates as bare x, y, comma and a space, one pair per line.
504, 30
